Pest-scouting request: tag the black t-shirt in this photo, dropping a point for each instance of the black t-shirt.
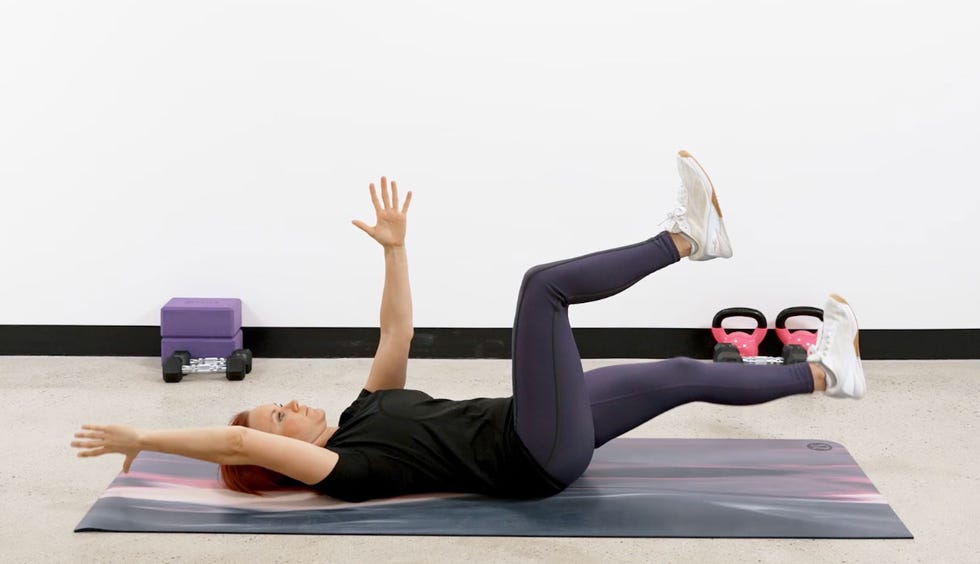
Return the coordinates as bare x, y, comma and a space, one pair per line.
399, 442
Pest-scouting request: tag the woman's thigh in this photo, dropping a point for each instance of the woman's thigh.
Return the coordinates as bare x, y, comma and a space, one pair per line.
551, 403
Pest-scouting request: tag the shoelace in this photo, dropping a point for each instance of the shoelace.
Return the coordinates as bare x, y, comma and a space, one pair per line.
676, 215
824, 336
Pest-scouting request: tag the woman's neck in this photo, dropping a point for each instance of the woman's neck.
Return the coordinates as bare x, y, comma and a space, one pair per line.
324, 436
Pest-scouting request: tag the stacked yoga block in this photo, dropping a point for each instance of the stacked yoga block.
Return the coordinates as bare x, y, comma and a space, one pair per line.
204, 327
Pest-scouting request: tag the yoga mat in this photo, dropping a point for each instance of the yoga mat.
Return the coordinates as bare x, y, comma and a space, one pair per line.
748, 488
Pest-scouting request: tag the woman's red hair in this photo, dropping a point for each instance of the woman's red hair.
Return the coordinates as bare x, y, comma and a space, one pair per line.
249, 478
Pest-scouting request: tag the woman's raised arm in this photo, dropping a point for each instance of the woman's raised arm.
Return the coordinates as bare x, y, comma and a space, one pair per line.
390, 366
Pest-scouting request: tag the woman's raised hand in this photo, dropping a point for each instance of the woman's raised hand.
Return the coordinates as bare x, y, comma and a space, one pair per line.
389, 228
96, 440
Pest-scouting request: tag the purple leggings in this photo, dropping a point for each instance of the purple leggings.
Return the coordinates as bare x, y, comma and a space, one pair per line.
562, 413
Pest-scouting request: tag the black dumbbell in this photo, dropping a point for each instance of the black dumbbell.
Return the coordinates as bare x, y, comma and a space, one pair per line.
794, 354
248, 360
726, 352
173, 366
238, 364
235, 367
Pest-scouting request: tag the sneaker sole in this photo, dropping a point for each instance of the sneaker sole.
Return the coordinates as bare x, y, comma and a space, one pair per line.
714, 195
837, 298
857, 349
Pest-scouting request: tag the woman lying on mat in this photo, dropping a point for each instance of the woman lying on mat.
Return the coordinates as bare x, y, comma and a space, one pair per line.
391, 441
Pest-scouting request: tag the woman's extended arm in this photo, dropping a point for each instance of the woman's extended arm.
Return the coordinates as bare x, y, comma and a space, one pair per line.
390, 366
232, 445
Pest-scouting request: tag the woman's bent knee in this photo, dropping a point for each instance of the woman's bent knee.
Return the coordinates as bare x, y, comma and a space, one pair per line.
532, 273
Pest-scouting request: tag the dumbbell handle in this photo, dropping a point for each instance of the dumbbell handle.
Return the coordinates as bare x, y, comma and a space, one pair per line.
763, 360
207, 365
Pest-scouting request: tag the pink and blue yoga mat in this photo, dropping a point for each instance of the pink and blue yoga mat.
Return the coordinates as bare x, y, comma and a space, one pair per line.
749, 488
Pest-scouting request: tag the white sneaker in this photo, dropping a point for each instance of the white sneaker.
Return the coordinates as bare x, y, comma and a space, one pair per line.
837, 350
697, 215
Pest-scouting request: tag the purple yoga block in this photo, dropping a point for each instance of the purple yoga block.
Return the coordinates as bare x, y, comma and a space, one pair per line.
201, 317
199, 347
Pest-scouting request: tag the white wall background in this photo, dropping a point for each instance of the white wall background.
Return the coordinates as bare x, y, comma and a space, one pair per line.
220, 148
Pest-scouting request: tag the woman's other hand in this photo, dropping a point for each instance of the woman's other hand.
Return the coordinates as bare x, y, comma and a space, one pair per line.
389, 228
96, 440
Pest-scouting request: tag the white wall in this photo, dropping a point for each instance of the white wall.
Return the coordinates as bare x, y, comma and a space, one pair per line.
219, 148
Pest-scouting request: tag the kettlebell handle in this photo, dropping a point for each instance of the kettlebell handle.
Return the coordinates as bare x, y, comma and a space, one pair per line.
724, 314
797, 311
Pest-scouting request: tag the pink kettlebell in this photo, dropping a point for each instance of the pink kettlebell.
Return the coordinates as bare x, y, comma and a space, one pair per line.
796, 342
732, 342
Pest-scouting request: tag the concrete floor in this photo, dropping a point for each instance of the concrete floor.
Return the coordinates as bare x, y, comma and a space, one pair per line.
915, 435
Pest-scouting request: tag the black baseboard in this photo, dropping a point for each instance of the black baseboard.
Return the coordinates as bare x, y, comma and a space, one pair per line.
358, 342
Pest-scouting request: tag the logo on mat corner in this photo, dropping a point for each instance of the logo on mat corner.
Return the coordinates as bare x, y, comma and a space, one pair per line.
819, 446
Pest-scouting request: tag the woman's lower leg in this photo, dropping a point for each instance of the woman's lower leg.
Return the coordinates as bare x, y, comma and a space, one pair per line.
819, 377
682, 243
627, 395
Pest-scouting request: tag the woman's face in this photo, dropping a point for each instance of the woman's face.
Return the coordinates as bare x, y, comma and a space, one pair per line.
291, 420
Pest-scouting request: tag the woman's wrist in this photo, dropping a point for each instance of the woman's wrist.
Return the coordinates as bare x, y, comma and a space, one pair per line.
142, 439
